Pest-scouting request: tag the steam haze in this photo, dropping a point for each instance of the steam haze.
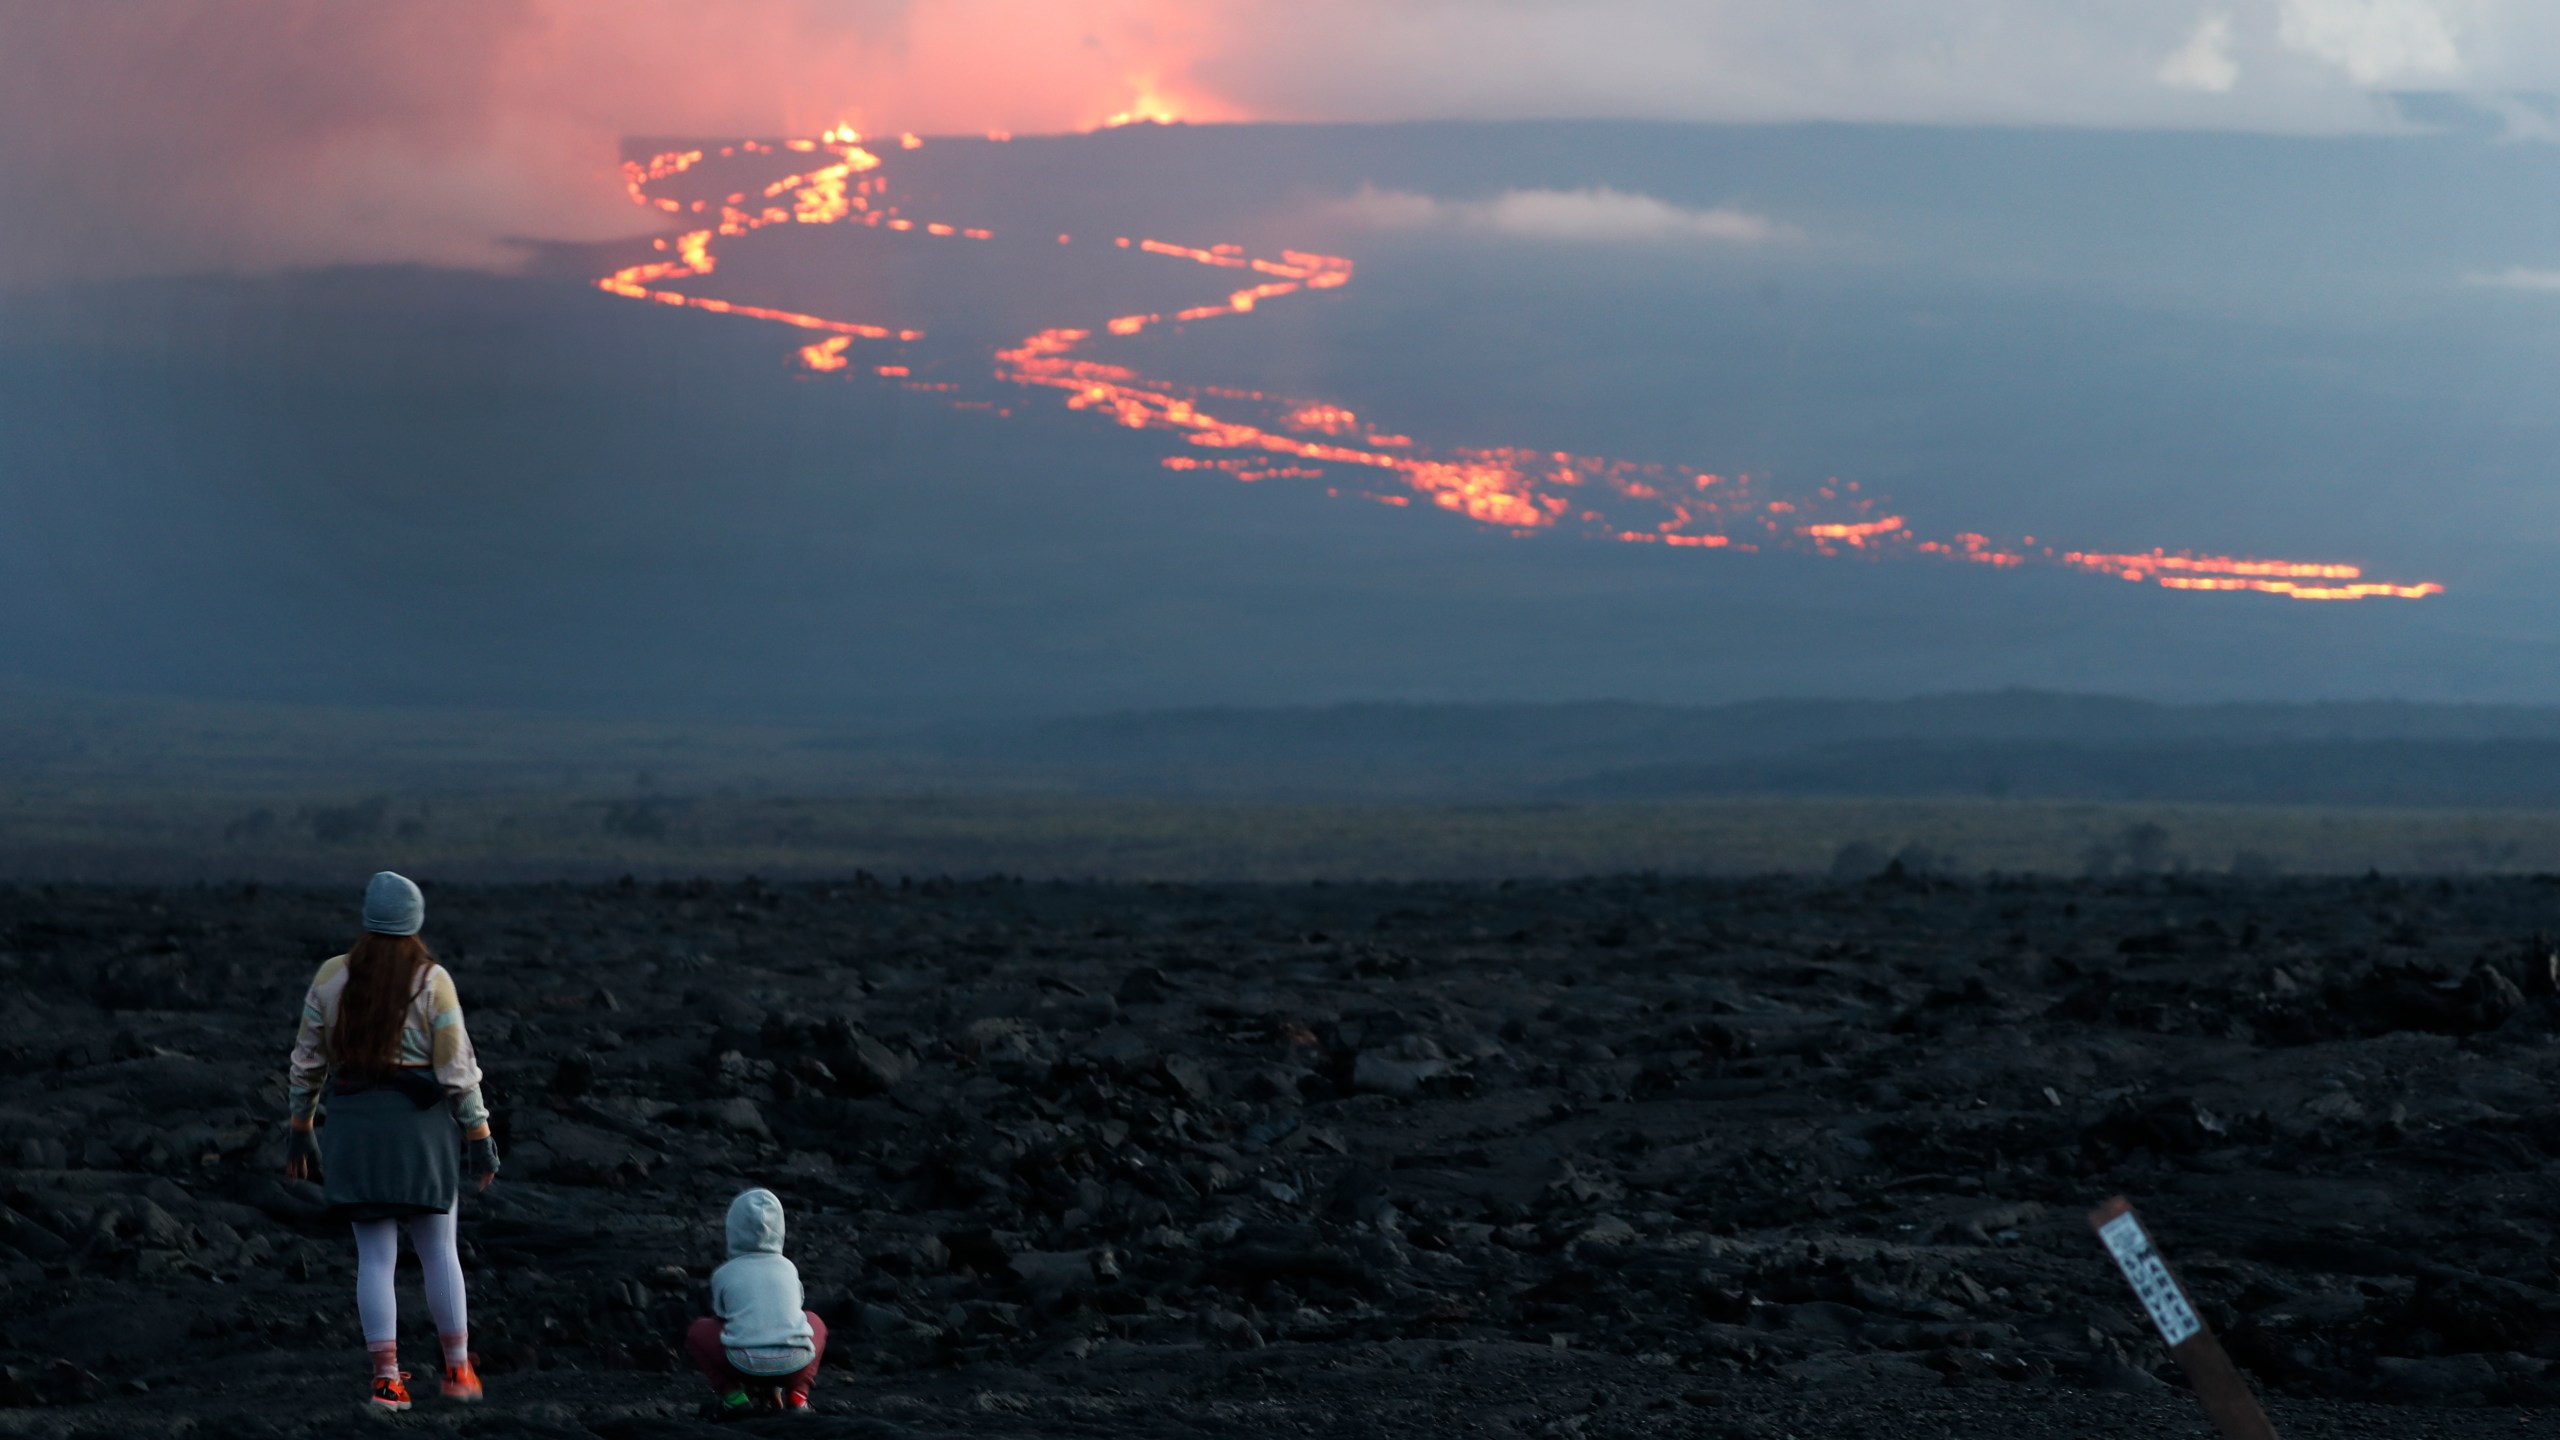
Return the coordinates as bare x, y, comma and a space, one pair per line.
172, 136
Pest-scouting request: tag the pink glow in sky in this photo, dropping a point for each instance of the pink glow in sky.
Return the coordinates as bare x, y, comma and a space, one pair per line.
158, 135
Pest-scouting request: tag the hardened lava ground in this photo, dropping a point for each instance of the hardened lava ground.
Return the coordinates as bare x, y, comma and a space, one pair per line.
1632, 1156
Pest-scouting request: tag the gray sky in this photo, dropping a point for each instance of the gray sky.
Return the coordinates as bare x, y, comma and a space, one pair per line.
161, 136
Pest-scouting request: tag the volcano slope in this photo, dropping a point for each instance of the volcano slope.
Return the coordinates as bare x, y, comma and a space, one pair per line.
1628, 1156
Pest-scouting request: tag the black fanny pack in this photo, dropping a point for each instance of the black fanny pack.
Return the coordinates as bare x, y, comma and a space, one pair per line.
419, 1086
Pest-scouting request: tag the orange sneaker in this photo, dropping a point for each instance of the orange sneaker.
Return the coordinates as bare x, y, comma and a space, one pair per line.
462, 1383
391, 1392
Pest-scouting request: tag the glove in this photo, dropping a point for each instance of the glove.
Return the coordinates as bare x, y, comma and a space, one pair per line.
480, 1157
301, 1154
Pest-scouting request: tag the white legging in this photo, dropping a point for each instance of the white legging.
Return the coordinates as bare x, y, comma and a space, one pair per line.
378, 1252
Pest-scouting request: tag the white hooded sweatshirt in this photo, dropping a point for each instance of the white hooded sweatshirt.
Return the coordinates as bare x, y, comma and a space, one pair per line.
757, 1294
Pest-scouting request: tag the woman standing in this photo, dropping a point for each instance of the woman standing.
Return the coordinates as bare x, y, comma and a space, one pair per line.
382, 1041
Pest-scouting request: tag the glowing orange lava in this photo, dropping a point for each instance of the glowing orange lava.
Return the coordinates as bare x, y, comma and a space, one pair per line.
1253, 437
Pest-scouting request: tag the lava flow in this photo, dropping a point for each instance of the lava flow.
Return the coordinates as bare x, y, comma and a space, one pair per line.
834, 180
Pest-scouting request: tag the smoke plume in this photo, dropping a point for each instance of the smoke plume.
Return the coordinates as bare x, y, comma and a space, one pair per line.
181, 135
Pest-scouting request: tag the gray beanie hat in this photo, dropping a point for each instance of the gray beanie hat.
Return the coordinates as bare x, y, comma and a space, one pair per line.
393, 906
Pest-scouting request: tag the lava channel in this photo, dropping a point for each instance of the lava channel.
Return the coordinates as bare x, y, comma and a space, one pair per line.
834, 179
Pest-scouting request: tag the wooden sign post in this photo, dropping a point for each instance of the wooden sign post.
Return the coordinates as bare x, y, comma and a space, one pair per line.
2228, 1402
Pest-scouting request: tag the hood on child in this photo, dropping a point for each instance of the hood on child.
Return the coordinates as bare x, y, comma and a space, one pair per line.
755, 1223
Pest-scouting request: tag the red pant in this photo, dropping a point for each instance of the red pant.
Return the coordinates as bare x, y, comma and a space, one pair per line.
702, 1342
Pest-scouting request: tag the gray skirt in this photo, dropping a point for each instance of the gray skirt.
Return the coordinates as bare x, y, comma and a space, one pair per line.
382, 1156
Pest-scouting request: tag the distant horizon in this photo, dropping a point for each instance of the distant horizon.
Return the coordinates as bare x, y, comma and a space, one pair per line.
807, 718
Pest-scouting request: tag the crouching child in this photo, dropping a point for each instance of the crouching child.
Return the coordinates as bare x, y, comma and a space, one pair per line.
759, 1347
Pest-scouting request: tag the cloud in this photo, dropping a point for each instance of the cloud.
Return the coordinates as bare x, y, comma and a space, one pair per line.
1598, 215
2376, 42
2204, 62
1604, 214
2516, 277
158, 135
2525, 117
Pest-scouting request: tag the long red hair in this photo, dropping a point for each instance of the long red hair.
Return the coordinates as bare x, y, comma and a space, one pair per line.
383, 976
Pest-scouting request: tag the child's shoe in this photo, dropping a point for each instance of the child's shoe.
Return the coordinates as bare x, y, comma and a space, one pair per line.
391, 1392
795, 1402
736, 1405
462, 1383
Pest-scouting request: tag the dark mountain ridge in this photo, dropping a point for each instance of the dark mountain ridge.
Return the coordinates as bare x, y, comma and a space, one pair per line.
2013, 742
2020, 744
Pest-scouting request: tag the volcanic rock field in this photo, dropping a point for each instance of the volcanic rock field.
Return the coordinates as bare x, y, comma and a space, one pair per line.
1615, 1157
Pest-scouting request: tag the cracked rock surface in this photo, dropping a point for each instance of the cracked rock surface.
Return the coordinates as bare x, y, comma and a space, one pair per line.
1634, 1156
